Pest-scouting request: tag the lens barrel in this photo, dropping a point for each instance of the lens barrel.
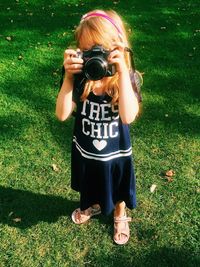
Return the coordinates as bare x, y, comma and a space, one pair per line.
95, 68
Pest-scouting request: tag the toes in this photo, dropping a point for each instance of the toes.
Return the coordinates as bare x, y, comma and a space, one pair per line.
120, 237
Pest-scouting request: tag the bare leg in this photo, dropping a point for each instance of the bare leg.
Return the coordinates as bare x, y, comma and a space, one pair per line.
120, 209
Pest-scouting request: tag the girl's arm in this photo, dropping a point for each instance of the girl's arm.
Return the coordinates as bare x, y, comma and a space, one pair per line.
128, 103
65, 104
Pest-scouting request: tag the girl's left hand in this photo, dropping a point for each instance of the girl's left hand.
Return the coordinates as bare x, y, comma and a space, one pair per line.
117, 57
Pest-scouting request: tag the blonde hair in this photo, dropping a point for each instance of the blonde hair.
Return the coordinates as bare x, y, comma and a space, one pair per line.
96, 30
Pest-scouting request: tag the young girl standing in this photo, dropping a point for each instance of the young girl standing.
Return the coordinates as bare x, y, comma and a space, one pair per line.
102, 168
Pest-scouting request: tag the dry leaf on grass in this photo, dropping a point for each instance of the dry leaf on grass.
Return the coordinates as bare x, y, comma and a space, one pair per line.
153, 188
17, 220
170, 173
55, 168
169, 179
9, 38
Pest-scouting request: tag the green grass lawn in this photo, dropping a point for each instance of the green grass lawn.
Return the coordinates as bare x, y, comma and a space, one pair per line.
35, 196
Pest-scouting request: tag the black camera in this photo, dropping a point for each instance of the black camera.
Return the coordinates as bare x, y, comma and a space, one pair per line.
95, 64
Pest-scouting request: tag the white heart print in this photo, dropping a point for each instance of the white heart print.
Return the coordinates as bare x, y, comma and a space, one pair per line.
99, 144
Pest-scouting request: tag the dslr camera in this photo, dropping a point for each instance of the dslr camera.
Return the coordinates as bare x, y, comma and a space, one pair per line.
95, 64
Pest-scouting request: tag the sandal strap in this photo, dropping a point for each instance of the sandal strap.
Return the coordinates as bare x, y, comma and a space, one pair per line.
95, 210
122, 219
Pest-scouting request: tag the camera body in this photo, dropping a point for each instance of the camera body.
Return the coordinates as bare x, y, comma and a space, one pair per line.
95, 63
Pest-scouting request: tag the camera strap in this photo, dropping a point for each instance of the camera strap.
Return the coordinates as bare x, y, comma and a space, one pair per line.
136, 76
129, 50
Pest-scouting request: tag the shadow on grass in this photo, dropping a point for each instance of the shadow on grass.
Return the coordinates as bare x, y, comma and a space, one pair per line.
23, 209
11, 126
173, 121
158, 257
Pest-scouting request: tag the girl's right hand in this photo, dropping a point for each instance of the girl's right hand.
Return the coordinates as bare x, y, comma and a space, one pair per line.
72, 63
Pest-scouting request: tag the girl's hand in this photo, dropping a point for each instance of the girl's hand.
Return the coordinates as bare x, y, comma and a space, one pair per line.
117, 57
72, 63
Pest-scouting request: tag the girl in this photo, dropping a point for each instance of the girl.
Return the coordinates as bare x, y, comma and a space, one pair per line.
101, 163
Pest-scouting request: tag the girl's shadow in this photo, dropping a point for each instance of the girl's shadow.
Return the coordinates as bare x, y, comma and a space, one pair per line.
23, 209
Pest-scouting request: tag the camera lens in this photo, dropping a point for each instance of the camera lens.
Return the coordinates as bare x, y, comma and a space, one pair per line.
95, 68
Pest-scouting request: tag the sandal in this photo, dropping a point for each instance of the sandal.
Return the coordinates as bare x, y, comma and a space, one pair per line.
79, 217
125, 231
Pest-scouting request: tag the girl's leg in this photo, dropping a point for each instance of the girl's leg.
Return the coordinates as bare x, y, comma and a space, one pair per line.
119, 209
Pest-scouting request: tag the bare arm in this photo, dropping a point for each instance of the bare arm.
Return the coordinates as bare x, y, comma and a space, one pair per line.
128, 103
64, 103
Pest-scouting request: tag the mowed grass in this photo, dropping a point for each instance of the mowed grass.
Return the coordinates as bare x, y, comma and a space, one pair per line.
35, 196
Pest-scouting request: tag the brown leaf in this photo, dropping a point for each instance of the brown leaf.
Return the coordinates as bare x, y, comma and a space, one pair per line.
170, 173
169, 179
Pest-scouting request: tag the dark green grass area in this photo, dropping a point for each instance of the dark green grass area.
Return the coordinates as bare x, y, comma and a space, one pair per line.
36, 200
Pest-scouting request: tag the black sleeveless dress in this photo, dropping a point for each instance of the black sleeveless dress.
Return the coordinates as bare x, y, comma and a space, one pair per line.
101, 164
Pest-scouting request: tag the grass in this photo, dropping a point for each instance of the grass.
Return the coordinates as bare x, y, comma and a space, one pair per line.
36, 201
